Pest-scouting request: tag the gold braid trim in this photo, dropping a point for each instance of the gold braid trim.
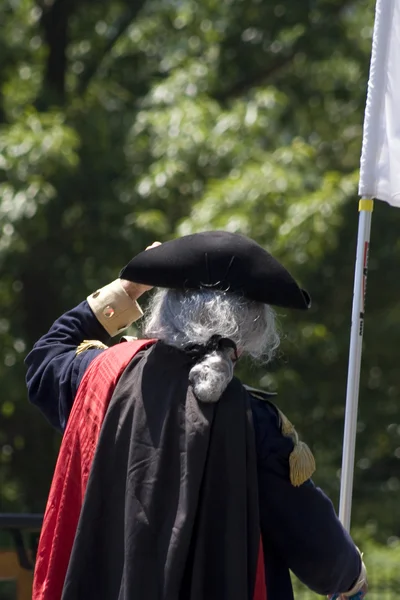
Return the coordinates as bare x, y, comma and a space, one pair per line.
90, 344
301, 460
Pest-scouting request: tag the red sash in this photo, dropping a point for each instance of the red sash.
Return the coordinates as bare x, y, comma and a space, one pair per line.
73, 468
260, 589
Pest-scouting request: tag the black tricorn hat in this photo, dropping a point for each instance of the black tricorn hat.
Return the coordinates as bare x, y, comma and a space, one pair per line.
218, 260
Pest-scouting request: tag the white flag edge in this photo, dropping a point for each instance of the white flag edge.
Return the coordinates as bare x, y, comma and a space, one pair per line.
372, 183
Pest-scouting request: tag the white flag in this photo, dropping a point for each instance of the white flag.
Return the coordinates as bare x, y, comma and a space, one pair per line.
380, 160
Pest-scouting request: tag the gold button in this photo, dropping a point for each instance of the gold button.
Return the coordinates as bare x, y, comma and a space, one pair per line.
96, 294
108, 312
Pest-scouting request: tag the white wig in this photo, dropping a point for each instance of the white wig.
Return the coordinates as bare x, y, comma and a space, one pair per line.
183, 318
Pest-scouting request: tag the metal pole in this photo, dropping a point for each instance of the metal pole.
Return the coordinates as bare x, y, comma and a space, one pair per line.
353, 378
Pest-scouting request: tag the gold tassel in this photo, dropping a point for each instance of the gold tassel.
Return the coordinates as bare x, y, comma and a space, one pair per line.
89, 344
301, 464
301, 460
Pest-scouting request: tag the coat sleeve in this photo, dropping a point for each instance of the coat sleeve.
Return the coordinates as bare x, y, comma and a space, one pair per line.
300, 522
54, 369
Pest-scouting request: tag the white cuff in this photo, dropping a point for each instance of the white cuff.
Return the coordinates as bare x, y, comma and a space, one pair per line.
361, 581
114, 308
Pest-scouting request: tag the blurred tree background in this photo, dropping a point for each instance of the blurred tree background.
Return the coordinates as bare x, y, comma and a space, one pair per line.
124, 122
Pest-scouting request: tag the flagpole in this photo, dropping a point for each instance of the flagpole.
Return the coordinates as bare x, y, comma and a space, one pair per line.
353, 378
374, 133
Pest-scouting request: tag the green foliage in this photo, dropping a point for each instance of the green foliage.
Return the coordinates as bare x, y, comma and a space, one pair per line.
121, 123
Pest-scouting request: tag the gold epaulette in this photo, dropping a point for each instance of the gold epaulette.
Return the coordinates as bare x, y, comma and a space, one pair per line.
301, 460
90, 344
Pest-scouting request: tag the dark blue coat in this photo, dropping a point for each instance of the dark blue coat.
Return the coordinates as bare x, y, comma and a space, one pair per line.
300, 529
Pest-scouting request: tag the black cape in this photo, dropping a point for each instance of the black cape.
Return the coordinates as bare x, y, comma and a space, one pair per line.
171, 506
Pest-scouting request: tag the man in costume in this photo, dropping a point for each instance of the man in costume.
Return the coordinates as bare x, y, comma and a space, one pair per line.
174, 481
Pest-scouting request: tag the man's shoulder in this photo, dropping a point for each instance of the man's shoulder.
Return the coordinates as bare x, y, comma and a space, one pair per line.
263, 404
260, 394
270, 423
